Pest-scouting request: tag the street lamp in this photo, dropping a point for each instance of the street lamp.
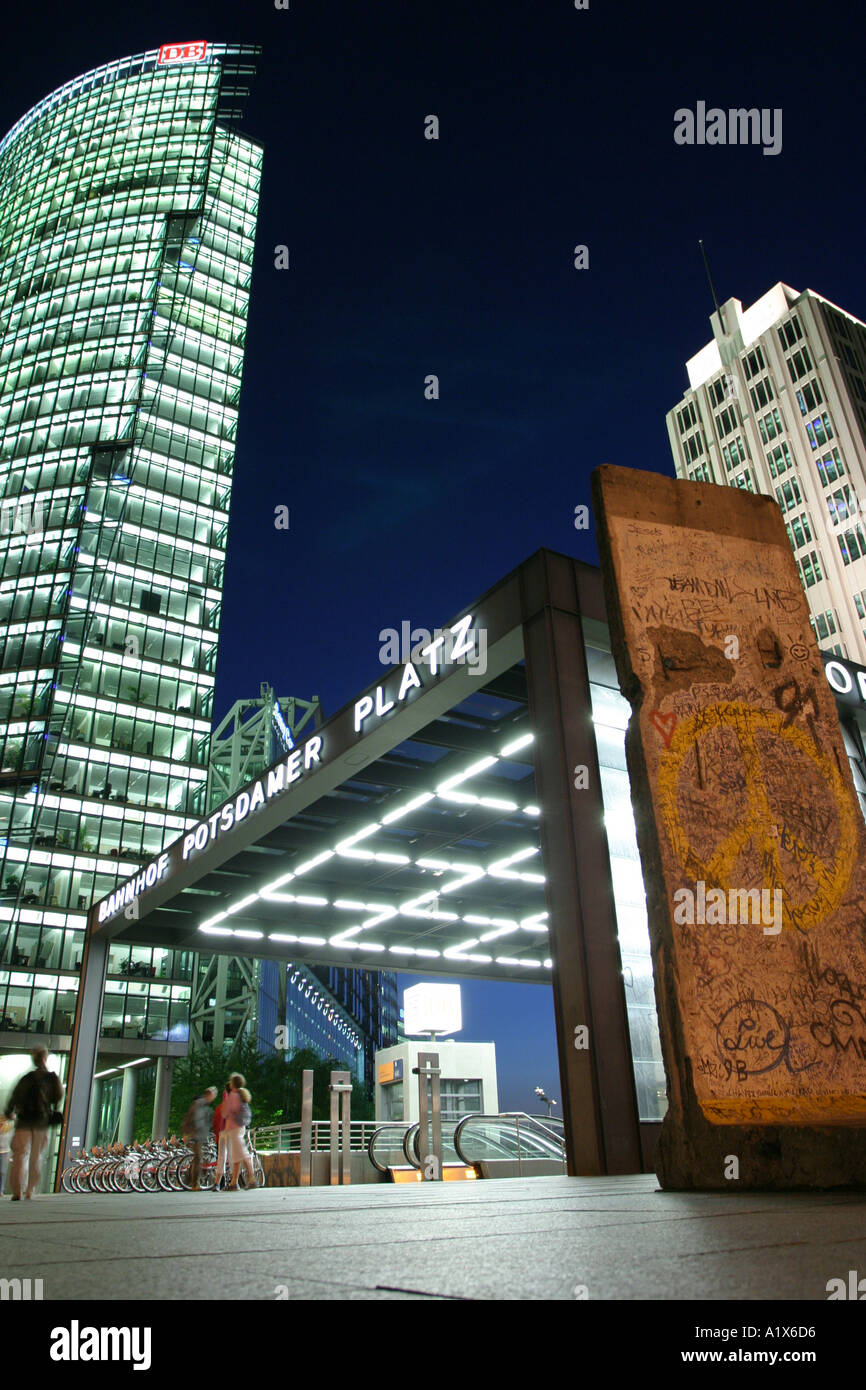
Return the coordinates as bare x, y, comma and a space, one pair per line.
539, 1091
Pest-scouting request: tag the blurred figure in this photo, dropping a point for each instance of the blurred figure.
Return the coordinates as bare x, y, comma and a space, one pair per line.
32, 1102
5, 1139
219, 1134
237, 1113
196, 1128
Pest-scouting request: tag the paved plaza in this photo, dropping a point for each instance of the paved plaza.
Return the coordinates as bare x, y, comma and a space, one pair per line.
539, 1238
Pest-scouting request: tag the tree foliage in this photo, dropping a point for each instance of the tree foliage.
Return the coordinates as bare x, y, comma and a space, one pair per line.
274, 1081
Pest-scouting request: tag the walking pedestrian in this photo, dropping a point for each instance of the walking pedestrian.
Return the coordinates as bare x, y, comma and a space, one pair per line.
33, 1102
236, 1110
196, 1128
5, 1138
219, 1134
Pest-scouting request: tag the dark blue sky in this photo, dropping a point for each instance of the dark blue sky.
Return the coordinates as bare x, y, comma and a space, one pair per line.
455, 257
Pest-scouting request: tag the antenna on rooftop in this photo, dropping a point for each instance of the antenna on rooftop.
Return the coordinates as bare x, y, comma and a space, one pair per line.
712, 286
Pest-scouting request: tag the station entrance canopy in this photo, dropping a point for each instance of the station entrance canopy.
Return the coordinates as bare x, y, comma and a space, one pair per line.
448, 821
403, 833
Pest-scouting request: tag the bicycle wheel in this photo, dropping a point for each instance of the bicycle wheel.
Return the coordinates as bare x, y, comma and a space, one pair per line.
207, 1177
258, 1174
183, 1174
120, 1178
134, 1175
147, 1175
165, 1174
66, 1179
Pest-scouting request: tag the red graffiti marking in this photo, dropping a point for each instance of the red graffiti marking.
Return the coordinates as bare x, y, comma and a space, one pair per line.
665, 723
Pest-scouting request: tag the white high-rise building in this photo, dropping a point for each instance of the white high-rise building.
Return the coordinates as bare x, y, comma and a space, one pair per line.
776, 403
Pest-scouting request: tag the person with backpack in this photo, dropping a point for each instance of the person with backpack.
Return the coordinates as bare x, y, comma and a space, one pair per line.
196, 1128
237, 1113
34, 1103
220, 1139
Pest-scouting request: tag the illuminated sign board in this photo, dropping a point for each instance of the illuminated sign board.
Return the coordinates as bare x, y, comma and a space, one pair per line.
390, 1071
846, 680
182, 52
269, 785
132, 887
272, 783
282, 726
429, 1008
454, 645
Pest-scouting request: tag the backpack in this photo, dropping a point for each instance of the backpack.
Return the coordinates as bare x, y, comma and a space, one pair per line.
34, 1104
245, 1114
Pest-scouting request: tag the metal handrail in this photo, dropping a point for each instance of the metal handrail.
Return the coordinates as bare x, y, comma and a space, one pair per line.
516, 1116
412, 1159
540, 1122
389, 1124
270, 1138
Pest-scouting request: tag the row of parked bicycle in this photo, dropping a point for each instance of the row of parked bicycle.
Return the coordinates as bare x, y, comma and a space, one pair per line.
160, 1166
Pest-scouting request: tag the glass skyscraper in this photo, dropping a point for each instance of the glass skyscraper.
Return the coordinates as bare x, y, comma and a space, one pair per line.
128, 205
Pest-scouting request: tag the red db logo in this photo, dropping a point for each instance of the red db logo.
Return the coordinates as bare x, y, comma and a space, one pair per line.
182, 52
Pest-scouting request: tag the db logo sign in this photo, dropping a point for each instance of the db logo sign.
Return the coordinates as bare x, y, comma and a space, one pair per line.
182, 52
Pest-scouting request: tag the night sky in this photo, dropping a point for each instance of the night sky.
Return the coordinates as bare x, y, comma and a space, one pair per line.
455, 257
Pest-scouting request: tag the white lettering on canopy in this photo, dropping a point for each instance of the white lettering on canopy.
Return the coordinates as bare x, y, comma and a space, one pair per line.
454, 645
220, 822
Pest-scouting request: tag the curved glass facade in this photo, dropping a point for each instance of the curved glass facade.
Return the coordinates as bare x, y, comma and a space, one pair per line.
128, 207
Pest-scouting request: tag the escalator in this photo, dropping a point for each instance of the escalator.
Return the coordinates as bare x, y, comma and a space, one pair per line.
395, 1151
511, 1145
477, 1146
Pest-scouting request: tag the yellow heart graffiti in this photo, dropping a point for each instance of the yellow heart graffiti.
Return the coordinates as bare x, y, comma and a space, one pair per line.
759, 826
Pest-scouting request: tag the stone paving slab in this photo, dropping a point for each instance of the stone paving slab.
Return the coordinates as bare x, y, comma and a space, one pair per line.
518, 1239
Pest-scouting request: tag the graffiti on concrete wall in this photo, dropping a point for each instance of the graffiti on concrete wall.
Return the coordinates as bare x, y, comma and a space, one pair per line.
761, 839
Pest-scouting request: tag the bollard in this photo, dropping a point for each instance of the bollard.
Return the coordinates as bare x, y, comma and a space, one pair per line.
305, 1175
429, 1116
341, 1156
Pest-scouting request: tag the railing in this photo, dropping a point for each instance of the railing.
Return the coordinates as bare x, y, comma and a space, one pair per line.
412, 1144
287, 1138
386, 1146
514, 1135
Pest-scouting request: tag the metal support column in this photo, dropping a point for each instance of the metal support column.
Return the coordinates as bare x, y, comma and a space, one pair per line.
220, 987
85, 1044
162, 1096
126, 1123
341, 1157
93, 1117
305, 1176
429, 1116
598, 1101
